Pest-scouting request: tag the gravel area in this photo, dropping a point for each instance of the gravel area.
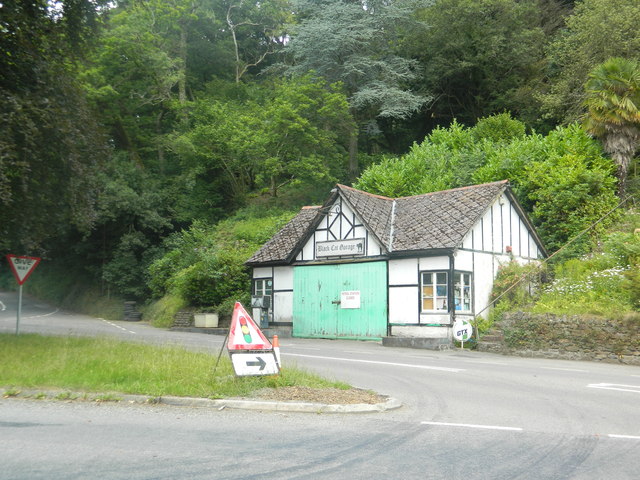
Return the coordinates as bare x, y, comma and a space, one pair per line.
331, 396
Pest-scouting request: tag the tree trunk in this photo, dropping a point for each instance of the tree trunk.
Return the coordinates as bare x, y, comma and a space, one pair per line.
354, 169
182, 74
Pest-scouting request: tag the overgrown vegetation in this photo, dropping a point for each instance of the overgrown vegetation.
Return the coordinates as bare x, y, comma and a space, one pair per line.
602, 283
147, 148
106, 365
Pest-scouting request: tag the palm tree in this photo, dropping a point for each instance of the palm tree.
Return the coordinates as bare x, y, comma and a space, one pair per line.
613, 116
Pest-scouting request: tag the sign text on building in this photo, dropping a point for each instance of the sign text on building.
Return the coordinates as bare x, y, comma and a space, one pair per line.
339, 248
350, 299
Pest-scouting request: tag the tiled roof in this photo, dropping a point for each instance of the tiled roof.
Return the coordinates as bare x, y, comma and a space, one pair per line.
374, 210
438, 220
441, 219
278, 247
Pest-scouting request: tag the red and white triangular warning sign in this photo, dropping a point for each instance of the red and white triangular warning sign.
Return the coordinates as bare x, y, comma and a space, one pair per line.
22, 267
244, 334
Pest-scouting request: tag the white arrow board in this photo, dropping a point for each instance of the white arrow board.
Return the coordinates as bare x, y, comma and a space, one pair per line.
254, 363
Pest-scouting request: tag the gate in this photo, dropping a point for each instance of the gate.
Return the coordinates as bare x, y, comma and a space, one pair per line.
340, 301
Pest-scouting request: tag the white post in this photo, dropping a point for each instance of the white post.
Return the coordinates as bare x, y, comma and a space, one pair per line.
19, 310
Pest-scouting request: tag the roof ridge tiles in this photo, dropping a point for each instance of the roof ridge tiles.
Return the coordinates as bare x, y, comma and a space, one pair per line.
467, 187
382, 197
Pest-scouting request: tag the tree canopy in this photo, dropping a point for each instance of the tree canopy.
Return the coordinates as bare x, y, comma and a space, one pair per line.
122, 123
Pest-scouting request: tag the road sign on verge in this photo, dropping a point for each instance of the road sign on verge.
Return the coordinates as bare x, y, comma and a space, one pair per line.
462, 330
244, 334
254, 363
250, 351
22, 267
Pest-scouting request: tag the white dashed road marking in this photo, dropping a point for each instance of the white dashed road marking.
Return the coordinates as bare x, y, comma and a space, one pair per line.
117, 326
471, 425
565, 369
44, 314
2, 307
425, 367
615, 386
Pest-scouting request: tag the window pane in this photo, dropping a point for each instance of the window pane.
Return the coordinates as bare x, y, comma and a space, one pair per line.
427, 303
441, 278
427, 291
441, 290
441, 303
426, 278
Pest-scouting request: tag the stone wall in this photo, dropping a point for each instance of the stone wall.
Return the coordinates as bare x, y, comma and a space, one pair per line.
575, 337
183, 319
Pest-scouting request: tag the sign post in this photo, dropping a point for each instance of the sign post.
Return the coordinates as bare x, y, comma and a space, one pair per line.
250, 351
21, 267
462, 331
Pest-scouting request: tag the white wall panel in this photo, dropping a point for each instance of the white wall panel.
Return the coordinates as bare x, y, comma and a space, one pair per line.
434, 263
403, 272
432, 319
506, 223
487, 240
483, 281
403, 305
283, 307
496, 227
524, 240
262, 272
515, 232
420, 332
283, 278
464, 261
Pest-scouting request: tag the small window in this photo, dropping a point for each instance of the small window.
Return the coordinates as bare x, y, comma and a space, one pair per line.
263, 286
434, 292
462, 291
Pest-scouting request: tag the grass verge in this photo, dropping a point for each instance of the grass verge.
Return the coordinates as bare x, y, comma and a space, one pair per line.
107, 365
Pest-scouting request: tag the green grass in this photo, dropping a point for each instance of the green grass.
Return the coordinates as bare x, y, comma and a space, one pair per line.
161, 312
107, 365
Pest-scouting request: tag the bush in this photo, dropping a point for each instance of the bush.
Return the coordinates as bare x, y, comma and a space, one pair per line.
161, 313
514, 288
204, 265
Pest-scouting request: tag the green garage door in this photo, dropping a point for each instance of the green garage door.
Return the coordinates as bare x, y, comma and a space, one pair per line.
340, 301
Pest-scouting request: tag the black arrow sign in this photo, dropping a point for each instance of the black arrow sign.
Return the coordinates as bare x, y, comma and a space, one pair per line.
257, 363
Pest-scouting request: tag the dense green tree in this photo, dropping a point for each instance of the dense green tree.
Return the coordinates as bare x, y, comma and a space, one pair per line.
562, 179
613, 103
257, 30
353, 43
50, 148
447, 158
138, 76
596, 31
480, 57
287, 132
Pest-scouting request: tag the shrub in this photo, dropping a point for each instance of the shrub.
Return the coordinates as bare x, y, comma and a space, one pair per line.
204, 265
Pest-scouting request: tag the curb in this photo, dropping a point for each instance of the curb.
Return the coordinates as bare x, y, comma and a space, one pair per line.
219, 404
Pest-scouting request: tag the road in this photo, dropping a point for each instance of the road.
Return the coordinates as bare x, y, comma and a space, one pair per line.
464, 415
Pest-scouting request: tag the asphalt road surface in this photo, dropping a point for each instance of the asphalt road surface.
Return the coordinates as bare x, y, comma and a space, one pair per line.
464, 415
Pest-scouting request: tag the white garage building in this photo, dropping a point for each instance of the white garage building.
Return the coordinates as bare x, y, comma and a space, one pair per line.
364, 266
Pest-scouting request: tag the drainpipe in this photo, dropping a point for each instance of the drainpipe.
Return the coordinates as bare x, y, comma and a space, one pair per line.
391, 231
451, 297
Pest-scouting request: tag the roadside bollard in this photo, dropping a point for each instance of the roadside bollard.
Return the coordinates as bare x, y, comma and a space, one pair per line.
276, 348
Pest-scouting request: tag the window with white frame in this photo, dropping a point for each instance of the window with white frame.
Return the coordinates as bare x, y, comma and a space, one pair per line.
434, 291
434, 287
462, 291
263, 287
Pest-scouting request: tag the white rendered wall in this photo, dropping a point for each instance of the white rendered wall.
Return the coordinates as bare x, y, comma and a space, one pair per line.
341, 223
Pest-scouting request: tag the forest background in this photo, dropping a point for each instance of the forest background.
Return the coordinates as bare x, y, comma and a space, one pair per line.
149, 147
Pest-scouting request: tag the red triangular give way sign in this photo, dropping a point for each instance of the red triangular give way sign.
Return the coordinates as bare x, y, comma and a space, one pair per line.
22, 267
244, 334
